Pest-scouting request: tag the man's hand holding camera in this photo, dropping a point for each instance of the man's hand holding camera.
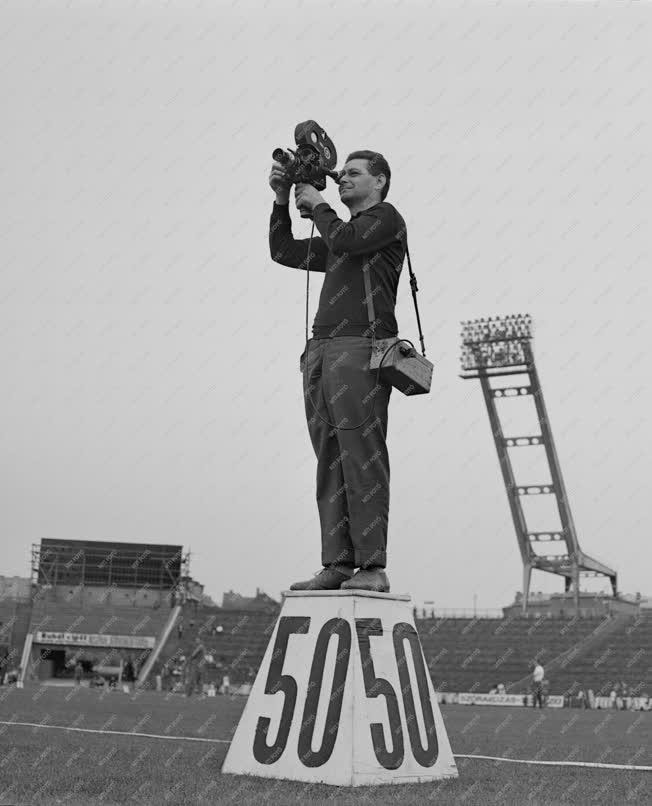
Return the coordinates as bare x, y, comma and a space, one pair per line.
307, 197
279, 183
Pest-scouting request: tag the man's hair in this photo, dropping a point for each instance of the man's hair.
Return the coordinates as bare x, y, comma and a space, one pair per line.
377, 165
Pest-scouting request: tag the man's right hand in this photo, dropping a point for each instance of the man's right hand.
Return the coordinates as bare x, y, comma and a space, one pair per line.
279, 183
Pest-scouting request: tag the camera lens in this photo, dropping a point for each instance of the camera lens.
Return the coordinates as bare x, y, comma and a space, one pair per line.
278, 155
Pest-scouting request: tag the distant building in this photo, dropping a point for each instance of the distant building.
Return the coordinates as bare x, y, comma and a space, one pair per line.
208, 601
261, 601
15, 588
194, 590
592, 605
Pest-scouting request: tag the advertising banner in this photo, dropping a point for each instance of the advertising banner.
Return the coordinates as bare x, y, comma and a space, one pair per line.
506, 699
95, 639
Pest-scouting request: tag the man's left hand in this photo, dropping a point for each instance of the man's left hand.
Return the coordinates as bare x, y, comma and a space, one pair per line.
307, 196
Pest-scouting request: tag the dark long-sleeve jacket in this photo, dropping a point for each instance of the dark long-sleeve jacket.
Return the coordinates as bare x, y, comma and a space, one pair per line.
374, 237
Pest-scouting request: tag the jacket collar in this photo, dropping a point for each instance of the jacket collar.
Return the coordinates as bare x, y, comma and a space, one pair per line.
365, 210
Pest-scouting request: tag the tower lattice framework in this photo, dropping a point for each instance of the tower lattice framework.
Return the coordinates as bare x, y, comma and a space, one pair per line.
500, 347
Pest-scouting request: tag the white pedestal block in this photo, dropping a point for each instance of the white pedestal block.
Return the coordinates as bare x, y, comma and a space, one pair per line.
343, 696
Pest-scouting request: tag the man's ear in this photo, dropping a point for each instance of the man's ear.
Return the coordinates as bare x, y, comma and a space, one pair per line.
383, 182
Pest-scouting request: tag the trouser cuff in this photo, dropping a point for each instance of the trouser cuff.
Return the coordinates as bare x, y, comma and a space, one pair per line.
375, 559
343, 557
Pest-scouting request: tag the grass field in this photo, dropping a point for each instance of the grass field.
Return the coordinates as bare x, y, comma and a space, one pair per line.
43, 766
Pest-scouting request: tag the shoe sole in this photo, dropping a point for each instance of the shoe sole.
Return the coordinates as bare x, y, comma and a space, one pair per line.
314, 589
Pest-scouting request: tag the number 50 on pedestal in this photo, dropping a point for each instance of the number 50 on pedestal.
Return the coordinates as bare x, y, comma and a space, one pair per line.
343, 696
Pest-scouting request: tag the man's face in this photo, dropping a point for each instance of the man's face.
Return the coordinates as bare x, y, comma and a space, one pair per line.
356, 183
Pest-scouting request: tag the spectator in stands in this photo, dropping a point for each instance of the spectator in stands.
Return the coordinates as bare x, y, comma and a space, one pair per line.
178, 672
13, 675
537, 685
501, 688
97, 680
165, 677
128, 673
194, 668
494, 689
249, 677
626, 692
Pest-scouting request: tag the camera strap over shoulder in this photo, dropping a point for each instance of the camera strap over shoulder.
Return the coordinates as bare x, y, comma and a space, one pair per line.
370, 301
401, 365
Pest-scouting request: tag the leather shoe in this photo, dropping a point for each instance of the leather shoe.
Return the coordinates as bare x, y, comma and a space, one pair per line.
368, 579
329, 578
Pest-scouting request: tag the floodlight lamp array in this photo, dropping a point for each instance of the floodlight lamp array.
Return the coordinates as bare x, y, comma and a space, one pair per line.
495, 342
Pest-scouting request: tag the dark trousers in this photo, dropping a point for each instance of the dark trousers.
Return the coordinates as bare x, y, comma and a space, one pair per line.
353, 465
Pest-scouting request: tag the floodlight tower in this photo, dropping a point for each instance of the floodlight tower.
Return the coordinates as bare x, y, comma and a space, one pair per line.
498, 347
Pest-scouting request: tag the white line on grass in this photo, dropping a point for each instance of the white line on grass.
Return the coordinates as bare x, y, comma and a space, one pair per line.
601, 765
119, 732
638, 768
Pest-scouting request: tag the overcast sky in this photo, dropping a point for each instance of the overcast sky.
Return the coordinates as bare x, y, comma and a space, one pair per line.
149, 346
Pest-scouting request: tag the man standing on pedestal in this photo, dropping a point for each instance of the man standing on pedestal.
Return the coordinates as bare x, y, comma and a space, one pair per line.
339, 387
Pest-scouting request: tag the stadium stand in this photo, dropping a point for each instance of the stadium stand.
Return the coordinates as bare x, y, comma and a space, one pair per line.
463, 654
96, 618
14, 625
98, 602
475, 654
622, 655
239, 645
593, 650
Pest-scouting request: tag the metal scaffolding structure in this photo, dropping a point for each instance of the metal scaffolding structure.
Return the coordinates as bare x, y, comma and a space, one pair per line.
107, 563
495, 348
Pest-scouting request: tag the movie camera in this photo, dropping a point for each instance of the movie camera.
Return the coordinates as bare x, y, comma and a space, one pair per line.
312, 161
